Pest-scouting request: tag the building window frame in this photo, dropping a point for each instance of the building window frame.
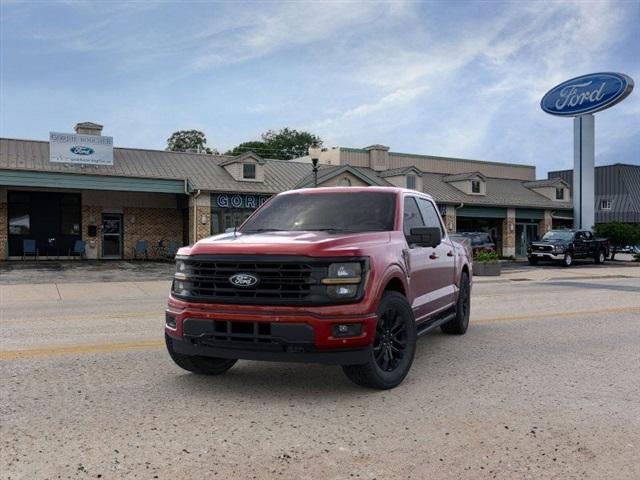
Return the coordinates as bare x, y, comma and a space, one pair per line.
249, 171
411, 181
605, 204
560, 193
476, 187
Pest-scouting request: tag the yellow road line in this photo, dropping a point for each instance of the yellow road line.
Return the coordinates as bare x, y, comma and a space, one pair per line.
118, 347
557, 314
94, 316
79, 349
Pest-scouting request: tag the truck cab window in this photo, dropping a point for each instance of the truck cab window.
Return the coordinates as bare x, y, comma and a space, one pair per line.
412, 217
429, 214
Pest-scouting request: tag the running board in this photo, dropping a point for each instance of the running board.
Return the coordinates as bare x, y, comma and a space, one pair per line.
429, 325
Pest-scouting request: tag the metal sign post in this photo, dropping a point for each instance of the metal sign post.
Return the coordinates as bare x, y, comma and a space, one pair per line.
583, 171
580, 97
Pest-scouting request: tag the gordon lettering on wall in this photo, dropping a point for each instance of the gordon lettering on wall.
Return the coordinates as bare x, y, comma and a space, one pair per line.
238, 200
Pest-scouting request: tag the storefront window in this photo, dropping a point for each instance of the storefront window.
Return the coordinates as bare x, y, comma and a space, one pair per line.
19, 220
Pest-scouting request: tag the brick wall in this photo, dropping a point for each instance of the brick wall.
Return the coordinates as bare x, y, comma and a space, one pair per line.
152, 225
509, 233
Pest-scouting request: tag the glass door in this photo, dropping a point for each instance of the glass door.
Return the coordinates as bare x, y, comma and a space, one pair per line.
525, 233
111, 235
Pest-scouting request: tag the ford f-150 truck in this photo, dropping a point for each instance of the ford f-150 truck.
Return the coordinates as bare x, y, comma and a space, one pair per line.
566, 245
347, 275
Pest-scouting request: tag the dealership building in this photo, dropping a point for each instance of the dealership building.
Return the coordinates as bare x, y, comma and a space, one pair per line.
113, 198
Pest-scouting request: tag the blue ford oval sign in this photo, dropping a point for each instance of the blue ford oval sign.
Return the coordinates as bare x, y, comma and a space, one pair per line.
587, 94
79, 150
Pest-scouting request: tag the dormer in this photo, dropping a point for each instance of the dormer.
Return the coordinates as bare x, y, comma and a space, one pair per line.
406, 177
247, 167
473, 183
554, 189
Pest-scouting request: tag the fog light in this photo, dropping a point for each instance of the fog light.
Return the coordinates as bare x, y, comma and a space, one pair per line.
342, 291
170, 321
347, 330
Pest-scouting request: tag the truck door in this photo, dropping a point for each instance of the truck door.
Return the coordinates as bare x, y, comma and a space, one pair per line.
441, 260
580, 245
421, 282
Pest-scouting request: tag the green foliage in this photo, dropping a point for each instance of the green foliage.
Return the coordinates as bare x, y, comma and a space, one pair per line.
259, 148
284, 144
619, 234
188, 141
483, 257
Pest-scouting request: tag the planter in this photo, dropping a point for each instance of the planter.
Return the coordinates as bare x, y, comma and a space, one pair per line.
486, 269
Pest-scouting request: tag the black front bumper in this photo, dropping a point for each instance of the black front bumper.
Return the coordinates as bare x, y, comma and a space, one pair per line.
280, 352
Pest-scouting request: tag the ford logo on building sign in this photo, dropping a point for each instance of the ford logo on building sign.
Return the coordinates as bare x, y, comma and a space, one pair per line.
243, 280
79, 150
587, 94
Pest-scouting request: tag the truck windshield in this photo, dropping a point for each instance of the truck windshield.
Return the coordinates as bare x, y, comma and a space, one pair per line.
339, 212
558, 235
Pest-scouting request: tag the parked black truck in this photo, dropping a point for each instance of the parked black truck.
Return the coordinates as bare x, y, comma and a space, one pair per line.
565, 246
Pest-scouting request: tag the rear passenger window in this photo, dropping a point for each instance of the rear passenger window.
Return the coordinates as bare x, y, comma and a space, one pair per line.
412, 217
429, 214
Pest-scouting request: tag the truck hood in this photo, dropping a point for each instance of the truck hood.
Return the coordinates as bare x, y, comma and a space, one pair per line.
288, 243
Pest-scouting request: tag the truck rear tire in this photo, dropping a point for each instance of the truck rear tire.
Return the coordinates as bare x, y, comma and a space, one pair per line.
197, 364
459, 324
393, 348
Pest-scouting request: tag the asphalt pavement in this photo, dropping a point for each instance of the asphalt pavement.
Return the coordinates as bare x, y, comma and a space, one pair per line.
545, 384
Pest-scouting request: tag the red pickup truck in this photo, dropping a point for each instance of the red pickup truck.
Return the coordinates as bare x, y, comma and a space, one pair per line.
347, 276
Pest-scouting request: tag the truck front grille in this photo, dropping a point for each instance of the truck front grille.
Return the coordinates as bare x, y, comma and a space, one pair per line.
280, 280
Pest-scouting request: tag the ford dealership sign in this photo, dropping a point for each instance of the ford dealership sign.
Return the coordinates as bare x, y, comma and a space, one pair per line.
587, 94
80, 149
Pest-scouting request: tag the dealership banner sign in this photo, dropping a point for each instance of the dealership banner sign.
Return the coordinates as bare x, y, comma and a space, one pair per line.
587, 94
80, 149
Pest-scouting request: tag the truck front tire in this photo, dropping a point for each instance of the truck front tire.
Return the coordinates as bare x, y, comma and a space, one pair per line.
394, 346
600, 257
200, 365
567, 261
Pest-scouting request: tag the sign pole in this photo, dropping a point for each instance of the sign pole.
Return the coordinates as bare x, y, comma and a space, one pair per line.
583, 171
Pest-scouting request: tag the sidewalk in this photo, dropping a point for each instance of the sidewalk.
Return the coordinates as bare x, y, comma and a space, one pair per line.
522, 272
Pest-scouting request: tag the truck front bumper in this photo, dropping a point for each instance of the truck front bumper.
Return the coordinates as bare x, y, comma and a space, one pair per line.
268, 333
547, 256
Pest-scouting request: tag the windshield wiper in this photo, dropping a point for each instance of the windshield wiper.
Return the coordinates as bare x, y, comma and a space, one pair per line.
262, 230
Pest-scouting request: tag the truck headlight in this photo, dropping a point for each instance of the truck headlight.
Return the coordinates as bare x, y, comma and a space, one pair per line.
181, 287
343, 279
559, 248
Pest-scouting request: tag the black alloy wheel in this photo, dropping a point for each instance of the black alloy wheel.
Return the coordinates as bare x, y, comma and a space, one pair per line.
391, 340
459, 324
393, 348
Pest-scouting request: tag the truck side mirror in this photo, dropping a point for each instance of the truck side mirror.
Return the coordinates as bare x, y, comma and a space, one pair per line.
425, 236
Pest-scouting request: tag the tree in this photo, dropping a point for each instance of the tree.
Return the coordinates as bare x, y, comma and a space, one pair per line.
188, 141
284, 144
619, 234
257, 147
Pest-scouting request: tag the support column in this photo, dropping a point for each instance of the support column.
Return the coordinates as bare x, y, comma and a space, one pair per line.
4, 227
583, 172
450, 219
545, 224
201, 216
509, 234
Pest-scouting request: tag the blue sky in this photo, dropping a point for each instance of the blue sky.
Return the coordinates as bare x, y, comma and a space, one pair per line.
461, 79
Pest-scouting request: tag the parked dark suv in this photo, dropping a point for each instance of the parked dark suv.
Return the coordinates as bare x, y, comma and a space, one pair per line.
480, 241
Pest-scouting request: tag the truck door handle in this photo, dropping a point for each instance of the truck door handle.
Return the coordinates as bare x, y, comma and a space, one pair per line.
433, 256
450, 253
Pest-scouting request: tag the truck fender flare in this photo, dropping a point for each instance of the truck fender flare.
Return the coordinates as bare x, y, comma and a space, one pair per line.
395, 273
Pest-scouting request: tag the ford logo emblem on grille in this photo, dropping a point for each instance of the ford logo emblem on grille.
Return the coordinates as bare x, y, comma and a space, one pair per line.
243, 280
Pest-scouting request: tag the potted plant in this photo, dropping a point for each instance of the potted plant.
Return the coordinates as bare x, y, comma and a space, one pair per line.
486, 264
